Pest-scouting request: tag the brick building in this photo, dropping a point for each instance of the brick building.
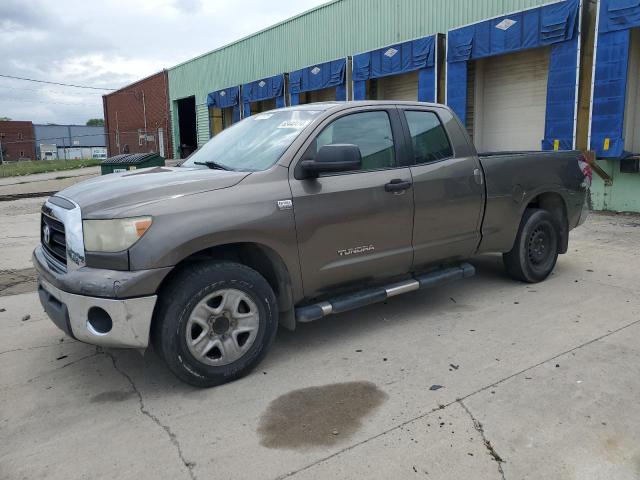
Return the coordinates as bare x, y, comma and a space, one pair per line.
137, 117
17, 140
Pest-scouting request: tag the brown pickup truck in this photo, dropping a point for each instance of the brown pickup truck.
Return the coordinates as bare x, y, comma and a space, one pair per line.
289, 216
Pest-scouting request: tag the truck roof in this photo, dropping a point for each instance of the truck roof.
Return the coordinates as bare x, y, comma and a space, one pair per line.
354, 103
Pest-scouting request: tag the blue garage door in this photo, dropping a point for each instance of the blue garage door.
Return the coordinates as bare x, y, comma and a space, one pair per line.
264, 89
329, 75
419, 55
612, 73
555, 25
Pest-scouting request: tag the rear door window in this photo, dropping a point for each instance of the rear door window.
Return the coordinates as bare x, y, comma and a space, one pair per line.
428, 137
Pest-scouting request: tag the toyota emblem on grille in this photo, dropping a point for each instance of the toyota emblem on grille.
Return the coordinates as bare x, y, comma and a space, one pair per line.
46, 234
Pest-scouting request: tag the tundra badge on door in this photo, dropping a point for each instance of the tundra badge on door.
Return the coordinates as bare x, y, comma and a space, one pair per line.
285, 204
356, 250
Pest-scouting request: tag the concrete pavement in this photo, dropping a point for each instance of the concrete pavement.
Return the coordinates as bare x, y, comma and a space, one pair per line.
42, 177
51, 181
45, 182
484, 378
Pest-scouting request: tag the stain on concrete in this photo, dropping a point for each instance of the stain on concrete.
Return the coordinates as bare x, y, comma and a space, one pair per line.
622, 452
318, 416
636, 464
111, 396
18, 196
14, 282
462, 307
612, 445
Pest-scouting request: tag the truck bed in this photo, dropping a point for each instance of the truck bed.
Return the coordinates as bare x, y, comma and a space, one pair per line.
513, 180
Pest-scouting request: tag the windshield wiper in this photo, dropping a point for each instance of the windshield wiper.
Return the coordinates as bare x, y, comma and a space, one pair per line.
212, 165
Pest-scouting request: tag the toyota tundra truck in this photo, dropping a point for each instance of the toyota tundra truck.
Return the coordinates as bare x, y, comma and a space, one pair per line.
289, 216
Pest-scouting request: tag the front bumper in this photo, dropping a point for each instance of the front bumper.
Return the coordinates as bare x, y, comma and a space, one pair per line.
99, 282
68, 297
130, 318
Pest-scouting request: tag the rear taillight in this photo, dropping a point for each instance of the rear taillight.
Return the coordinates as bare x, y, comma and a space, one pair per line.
586, 170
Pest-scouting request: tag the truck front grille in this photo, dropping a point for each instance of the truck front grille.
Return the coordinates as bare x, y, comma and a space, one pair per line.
53, 239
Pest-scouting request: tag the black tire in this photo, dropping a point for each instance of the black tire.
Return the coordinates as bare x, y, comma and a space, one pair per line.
535, 251
184, 293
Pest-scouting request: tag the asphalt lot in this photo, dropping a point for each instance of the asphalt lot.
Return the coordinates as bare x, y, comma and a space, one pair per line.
485, 378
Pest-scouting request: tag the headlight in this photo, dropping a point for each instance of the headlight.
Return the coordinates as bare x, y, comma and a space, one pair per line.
113, 235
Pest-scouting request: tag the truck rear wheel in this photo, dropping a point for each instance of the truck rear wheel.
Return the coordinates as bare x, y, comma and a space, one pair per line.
215, 322
535, 251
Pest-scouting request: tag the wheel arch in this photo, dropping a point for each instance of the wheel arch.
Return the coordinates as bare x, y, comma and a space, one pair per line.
556, 205
262, 258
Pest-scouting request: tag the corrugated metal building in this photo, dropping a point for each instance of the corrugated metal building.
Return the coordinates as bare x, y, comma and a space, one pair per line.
333, 31
614, 131
69, 142
521, 74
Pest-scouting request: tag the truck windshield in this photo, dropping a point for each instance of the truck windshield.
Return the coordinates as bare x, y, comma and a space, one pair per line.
256, 143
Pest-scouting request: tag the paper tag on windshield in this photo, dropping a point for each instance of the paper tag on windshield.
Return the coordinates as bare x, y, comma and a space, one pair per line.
294, 124
263, 116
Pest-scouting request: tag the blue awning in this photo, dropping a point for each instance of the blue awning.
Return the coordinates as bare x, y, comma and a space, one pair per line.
532, 28
225, 98
395, 59
556, 25
316, 77
265, 89
617, 17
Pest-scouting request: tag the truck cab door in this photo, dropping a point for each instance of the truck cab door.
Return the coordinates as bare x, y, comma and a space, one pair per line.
447, 187
355, 227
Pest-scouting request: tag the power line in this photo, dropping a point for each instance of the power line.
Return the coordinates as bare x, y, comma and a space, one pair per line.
42, 101
40, 90
54, 83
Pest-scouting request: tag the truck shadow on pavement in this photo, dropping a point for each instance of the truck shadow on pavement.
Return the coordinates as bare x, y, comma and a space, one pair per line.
420, 307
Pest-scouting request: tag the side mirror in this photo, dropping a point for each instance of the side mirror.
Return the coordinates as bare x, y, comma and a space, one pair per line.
333, 158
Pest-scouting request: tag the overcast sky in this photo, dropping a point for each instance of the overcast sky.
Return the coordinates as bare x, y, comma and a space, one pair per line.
110, 43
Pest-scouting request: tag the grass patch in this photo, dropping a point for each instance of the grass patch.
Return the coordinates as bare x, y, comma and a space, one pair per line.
16, 169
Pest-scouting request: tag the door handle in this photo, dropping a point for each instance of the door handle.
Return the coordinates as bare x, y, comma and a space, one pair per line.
397, 185
477, 176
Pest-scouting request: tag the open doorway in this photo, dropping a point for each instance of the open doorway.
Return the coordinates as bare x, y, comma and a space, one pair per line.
403, 86
263, 106
322, 95
187, 126
219, 119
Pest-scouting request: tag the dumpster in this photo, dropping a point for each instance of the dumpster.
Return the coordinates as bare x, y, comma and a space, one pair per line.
131, 161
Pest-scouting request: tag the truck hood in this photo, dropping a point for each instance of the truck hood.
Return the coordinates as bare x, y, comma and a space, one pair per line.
119, 191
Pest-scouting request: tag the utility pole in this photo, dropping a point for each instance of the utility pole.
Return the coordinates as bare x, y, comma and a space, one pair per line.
144, 113
1, 154
117, 134
64, 149
70, 143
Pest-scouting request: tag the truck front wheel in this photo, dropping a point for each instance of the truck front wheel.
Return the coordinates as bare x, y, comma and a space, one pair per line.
535, 251
214, 322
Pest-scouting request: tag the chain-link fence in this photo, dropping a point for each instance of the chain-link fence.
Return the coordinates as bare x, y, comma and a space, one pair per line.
140, 141
21, 155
